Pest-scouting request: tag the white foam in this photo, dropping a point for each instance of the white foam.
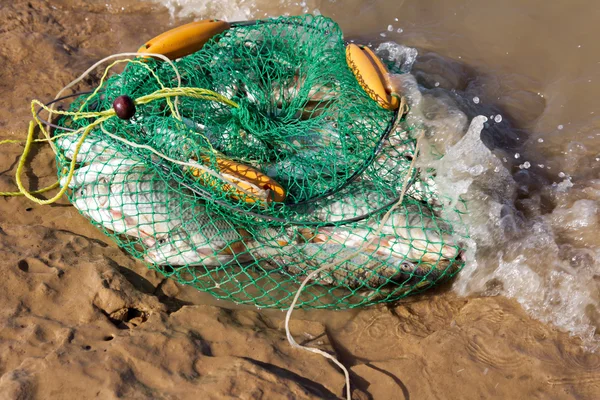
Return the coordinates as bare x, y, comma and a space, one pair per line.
403, 57
232, 10
225, 10
508, 254
582, 214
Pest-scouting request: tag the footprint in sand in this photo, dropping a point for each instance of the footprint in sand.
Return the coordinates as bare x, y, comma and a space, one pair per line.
35, 266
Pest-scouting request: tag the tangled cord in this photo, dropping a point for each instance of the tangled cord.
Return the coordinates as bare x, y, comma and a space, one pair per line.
163, 93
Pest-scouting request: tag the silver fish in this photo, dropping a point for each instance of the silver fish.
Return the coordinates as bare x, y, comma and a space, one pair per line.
410, 232
93, 148
355, 238
92, 172
385, 247
361, 271
422, 231
126, 198
298, 252
92, 201
179, 250
318, 93
91, 186
204, 239
146, 201
359, 200
175, 230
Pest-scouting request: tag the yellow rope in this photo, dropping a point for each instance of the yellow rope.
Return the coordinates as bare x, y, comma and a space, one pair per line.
164, 93
95, 92
11, 141
197, 93
87, 72
46, 189
70, 174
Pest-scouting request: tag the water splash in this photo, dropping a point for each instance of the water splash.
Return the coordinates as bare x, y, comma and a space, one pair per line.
546, 259
236, 10
230, 10
401, 56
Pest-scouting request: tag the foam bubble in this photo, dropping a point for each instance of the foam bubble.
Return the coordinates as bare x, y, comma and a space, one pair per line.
522, 256
228, 10
234, 10
403, 57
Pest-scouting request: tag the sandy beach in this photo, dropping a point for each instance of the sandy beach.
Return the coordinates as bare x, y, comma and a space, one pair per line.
80, 319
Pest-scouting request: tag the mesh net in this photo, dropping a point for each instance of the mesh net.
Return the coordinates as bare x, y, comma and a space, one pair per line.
192, 184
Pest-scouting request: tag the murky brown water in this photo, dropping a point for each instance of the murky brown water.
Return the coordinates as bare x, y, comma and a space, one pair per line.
533, 198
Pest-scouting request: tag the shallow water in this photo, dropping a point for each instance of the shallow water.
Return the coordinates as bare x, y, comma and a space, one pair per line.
529, 164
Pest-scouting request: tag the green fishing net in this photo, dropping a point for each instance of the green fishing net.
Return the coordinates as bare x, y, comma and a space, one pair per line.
168, 185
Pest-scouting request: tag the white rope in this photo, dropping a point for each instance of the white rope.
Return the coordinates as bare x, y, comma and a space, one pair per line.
334, 264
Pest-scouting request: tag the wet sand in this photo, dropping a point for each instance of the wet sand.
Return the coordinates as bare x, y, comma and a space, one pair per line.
81, 319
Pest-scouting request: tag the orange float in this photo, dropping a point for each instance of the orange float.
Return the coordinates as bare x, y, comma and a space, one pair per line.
185, 39
259, 187
372, 75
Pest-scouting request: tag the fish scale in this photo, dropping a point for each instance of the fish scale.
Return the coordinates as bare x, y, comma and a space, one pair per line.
361, 271
140, 204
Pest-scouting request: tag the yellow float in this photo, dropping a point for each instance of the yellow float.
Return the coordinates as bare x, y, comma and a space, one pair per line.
185, 39
258, 187
372, 75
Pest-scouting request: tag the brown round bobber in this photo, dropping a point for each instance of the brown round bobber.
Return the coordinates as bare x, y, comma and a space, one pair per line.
124, 107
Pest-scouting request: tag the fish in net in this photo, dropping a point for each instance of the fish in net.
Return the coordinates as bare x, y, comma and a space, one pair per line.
265, 154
